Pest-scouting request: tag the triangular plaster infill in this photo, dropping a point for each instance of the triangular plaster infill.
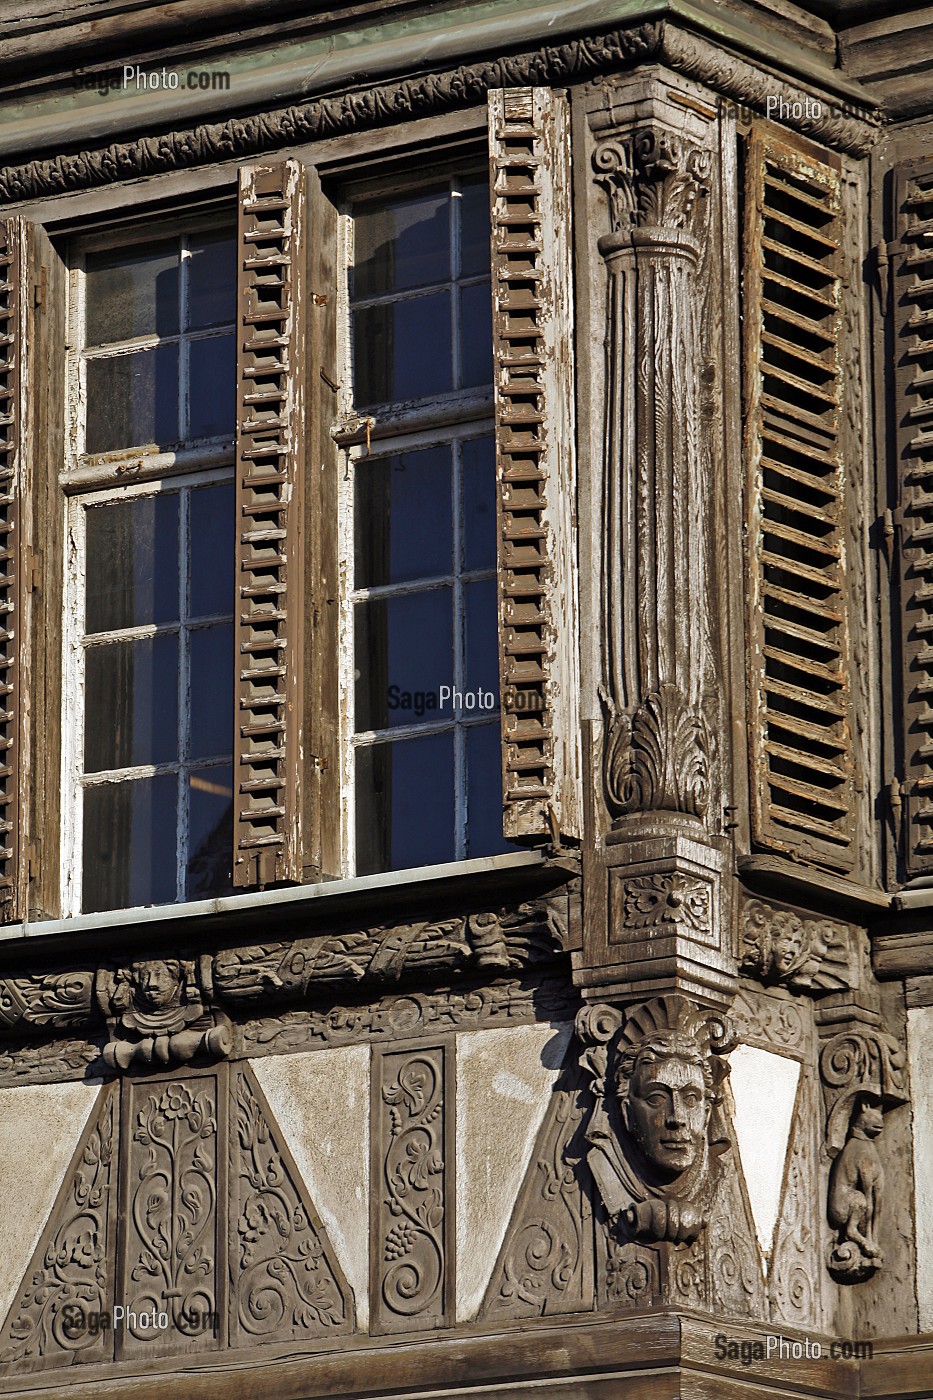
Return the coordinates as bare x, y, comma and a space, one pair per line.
320, 1100
505, 1080
764, 1093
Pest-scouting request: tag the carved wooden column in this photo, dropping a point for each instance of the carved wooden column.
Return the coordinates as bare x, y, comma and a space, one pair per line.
659, 911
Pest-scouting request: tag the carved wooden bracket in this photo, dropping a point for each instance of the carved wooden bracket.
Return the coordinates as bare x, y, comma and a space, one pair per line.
862, 1069
657, 1128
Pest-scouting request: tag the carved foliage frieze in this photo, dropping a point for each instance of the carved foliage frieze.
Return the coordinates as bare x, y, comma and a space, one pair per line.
411, 1192
804, 954
71, 1273
660, 1060
172, 1259
546, 1262
285, 1281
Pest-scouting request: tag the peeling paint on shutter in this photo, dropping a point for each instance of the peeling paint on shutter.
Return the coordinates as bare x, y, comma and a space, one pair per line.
12, 565
802, 782
270, 387
913, 353
529, 140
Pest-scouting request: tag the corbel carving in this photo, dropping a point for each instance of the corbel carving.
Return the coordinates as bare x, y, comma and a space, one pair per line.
806, 955
862, 1069
161, 1011
657, 1128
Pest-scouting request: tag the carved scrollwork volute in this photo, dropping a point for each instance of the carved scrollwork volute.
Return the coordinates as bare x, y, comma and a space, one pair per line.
657, 1125
660, 690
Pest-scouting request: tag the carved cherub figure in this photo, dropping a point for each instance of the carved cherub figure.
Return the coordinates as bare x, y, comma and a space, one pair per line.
854, 1202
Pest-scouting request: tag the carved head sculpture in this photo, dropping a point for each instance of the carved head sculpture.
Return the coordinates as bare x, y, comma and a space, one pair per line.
157, 985
665, 1092
867, 1117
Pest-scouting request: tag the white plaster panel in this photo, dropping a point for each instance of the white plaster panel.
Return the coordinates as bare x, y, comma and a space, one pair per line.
321, 1104
40, 1125
920, 1058
504, 1084
764, 1092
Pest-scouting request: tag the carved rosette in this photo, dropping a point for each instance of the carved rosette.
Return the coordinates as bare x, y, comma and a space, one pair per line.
658, 1127
659, 691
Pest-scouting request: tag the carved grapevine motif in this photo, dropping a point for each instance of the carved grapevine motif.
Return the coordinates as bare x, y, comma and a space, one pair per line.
285, 1282
171, 1246
71, 1276
410, 1238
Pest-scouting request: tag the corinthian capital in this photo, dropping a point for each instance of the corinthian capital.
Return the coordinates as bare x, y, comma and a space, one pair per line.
654, 179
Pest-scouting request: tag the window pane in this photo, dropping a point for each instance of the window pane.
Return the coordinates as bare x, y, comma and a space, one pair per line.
402, 350
484, 792
475, 336
210, 585
211, 387
404, 244
405, 804
131, 293
403, 519
211, 280
129, 843
478, 457
131, 705
211, 674
482, 640
132, 400
132, 563
475, 231
210, 831
404, 648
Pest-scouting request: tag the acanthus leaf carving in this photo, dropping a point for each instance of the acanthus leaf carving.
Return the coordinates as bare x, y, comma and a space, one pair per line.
673, 900
659, 758
654, 179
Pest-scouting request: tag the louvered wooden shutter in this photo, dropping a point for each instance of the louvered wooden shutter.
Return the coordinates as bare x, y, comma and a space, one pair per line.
532, 325
13, 296
913, 361
270, 382
802, 787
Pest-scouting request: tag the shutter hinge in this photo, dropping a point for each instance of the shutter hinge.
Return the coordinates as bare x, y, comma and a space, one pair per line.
33, 572
896, 804
32, 860
888, 537
882, 263
38, 291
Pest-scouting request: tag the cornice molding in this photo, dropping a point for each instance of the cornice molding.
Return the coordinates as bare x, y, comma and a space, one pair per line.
381, 104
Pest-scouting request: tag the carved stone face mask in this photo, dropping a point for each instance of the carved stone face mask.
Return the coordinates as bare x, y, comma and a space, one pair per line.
157, 983
667, 1113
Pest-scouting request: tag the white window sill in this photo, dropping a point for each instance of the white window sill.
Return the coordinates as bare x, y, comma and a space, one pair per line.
301, 897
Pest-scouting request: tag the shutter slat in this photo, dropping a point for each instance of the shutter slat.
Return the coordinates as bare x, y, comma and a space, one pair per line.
12, 468
532, 321
802, 783
269, 611
913, 336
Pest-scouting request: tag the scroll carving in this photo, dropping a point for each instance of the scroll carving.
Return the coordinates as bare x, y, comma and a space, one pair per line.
863, 1079
286, 1283
45, 1000
658, 1125
70, 1277
545, 1266
410, 1246
654, 179
806, 955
